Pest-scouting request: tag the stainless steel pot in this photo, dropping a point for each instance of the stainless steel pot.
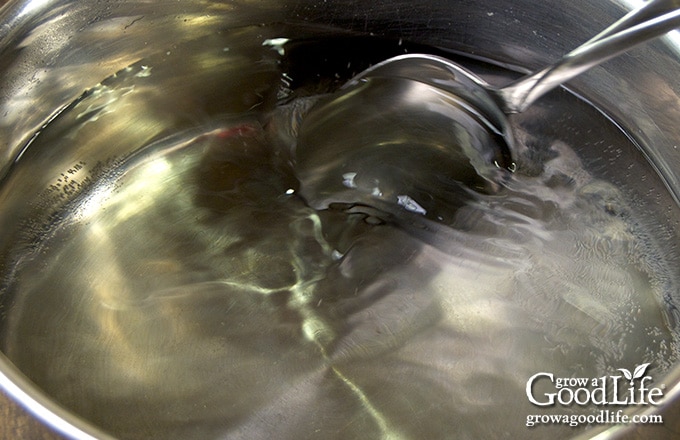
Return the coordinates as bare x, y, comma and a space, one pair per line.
53, 50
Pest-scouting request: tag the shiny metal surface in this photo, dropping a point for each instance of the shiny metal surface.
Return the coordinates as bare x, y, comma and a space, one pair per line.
53, 50
649, 21
489, 103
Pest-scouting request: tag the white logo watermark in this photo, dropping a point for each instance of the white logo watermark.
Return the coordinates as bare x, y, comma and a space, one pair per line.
626, 389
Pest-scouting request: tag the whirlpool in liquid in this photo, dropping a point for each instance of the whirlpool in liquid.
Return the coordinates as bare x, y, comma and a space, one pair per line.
184, 257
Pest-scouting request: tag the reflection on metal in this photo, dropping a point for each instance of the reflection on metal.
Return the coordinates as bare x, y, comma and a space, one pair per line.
182, 294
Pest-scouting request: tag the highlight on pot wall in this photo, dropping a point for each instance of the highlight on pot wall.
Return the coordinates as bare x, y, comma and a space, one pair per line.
311, 219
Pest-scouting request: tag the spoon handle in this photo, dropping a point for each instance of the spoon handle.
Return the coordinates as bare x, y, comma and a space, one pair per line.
648, 11
649, 21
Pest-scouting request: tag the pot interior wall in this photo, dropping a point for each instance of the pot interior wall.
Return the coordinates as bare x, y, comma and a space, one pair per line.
78, 106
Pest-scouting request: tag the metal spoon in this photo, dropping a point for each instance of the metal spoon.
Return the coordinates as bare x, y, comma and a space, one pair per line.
490, 105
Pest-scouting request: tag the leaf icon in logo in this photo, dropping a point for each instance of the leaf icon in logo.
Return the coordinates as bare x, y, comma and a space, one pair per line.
626, 373
639, 371
636, 374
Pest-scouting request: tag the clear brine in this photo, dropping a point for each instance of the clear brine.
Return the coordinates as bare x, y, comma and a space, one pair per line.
216, 265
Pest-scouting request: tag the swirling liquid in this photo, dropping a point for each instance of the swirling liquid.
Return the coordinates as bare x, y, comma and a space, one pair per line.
175, 265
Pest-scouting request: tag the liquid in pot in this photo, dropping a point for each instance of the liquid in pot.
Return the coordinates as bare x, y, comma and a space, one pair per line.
176, 265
